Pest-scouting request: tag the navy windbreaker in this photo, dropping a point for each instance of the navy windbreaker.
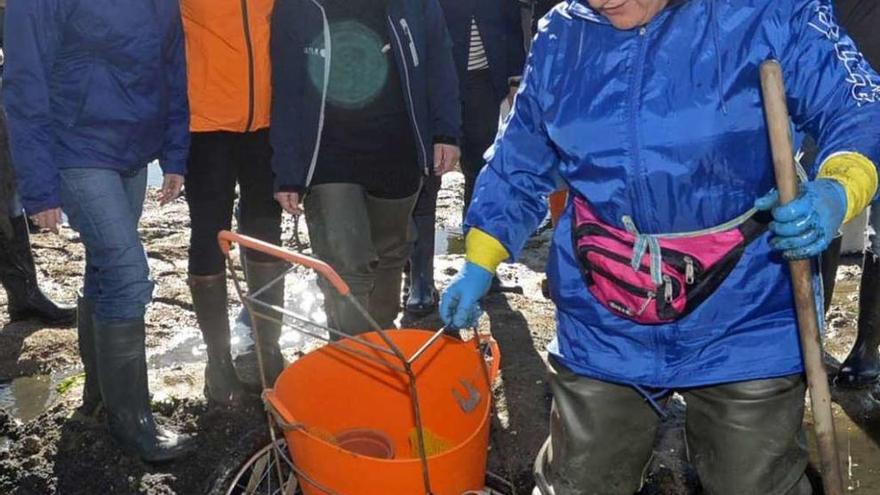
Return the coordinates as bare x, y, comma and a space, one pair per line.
665, 124
422, 49
93, 84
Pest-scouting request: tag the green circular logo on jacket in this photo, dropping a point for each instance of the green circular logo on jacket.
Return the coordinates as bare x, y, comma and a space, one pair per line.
358, 66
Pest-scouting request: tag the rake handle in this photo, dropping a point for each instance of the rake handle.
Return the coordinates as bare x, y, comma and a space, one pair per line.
779, 128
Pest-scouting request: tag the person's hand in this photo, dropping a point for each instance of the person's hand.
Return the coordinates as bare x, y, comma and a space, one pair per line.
289, 201
459, 304
446, 158
805, 227
48, 219
172, 184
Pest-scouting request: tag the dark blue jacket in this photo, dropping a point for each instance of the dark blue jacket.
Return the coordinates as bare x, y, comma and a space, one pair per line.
500, 24
422, 49
93, 83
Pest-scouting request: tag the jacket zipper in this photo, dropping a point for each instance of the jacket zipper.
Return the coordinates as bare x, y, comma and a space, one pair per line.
250, 57
328, 59
635, 95
412, 106
412, 44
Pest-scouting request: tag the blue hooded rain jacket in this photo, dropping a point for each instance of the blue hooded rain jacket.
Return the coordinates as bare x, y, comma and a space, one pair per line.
665, 124
93, 84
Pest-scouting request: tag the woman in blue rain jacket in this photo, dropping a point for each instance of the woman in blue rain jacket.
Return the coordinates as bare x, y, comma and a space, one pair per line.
651, 113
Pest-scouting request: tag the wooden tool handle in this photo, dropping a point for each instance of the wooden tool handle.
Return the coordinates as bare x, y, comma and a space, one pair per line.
779, 127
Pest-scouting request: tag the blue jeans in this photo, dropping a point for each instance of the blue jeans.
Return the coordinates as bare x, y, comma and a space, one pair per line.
104, 206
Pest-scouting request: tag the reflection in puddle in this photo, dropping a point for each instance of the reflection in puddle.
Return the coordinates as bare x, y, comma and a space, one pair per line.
27, 397
859, 453
448, 242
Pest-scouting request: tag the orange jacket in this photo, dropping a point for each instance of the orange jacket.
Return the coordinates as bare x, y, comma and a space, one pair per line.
227, 51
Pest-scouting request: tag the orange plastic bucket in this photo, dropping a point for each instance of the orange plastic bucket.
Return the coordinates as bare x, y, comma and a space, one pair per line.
331, 393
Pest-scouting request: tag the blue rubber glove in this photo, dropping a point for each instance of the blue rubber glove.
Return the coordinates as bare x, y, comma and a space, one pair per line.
459, 304
805, 227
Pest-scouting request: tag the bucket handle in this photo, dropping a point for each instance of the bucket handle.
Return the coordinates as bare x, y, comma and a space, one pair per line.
227, 238
279, 411
495, 350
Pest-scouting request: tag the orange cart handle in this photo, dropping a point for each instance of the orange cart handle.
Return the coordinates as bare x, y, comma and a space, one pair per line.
227, 238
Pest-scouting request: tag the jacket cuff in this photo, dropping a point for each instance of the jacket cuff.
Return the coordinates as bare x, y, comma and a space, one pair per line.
484, 250
290, 189
858, 176
171, 166
446, 140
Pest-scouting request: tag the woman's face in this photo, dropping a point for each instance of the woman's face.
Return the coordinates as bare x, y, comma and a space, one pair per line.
627, 14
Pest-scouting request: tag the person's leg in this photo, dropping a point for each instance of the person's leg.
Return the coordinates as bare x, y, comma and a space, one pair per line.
210, 193
422, 296
829, 262
339, 229
480, 112
18, 276
748, 437
862, 367
601, 437
101, 205
261, 218
390, 231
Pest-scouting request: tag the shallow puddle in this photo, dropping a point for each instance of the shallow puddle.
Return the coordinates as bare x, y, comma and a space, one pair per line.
27, 397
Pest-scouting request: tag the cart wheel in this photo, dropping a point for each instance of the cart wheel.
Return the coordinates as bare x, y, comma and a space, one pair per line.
259, 474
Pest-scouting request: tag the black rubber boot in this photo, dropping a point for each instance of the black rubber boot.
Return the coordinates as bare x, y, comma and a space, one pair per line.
422, 297
829, 263
862, 367
122, 375
19, 277
209, 296
85, 328
268, 331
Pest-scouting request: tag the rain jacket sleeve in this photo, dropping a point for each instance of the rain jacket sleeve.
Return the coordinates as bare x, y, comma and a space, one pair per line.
32, 35
443, 88
510, 197
288, 83
833, 94
176, 148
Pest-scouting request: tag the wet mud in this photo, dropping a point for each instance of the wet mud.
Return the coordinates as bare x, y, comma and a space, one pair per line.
47, 446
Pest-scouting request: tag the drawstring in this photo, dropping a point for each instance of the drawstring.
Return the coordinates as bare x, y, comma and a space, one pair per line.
653, 398
649, 243
715, 27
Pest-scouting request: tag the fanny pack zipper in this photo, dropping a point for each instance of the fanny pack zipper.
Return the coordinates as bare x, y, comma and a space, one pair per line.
671, 286
683, 262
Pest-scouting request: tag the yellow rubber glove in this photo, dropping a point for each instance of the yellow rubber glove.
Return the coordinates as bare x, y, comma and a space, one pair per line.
858, 176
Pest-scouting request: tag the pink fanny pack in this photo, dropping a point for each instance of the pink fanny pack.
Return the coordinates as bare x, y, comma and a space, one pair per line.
654, 279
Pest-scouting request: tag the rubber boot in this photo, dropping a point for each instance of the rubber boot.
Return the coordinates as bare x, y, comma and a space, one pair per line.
122, 375
209, 296
19, 277
862, 367
85, 328
260, 275
830, 261
422, 297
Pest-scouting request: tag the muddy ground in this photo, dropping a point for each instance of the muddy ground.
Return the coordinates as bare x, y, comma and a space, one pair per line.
47, 447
